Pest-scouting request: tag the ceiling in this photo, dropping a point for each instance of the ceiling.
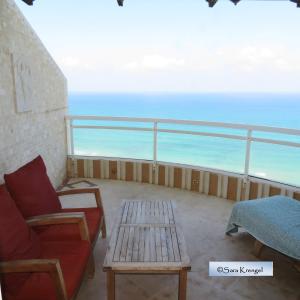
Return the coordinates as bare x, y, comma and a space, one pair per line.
211, 3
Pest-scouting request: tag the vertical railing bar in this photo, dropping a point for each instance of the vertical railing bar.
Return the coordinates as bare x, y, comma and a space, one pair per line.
154, 145
68, 136
72, 137
247, 157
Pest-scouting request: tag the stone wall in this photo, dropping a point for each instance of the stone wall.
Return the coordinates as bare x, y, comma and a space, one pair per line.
27, 72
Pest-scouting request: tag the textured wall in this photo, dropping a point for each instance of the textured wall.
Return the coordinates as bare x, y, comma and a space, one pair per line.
42, 129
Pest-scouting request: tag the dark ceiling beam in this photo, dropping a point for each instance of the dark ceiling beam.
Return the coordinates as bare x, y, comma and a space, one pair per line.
296, 1
211, 3
29, 2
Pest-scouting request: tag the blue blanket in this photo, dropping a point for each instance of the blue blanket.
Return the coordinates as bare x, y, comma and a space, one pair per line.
274, 221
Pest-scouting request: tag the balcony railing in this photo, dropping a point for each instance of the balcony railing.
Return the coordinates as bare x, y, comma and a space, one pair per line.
247, 134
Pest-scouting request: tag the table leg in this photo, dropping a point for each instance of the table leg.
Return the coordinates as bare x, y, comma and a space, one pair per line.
258, 246
110, 277
182, 285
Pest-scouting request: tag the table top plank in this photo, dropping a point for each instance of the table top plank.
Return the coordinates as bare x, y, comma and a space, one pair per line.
124, 244
136, 238
175, 244
141, 244
152, 244
130, 244
117, 251
158, 244
169, 244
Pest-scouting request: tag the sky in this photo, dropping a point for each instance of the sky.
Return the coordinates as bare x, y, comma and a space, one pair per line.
171, 45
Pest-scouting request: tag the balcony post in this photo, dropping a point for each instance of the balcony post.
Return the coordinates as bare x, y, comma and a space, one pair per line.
71, 137
154, 145
247, 162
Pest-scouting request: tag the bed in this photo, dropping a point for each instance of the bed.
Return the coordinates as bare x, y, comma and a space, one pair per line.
273, 221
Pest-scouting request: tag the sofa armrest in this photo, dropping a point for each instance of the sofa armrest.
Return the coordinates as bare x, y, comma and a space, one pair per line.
95, 191
62, 218
51, 266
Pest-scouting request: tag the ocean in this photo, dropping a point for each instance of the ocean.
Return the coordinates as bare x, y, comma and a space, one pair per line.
275, 162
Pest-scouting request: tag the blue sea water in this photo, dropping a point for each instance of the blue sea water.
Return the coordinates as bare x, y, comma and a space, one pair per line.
275, 162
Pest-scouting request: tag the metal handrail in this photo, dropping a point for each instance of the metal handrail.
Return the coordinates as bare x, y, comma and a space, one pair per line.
248, 137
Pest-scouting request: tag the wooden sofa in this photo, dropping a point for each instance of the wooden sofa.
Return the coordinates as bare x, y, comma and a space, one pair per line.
32, 269
65, 237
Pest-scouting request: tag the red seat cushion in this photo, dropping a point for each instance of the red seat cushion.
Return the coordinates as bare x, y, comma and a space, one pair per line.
71, 232
17, 240
73, 257
32, 190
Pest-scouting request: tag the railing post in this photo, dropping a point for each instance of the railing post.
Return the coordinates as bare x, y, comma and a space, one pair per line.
68, 130
247, 161
70, 145
71, 137
154, 145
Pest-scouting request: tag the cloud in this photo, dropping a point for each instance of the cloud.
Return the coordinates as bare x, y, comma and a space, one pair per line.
256, 58
69, 61
155, 62
75, 63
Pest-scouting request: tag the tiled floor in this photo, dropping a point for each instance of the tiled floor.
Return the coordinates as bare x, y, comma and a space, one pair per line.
204, 220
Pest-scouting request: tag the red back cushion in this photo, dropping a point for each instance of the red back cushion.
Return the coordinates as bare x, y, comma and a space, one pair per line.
32, 190
17, 240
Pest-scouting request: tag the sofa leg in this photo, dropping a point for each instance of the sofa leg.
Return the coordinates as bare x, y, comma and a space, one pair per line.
103, 228
258, 246
91, 267
297, 265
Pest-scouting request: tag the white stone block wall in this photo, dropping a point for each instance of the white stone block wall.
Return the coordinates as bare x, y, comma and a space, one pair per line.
24, 135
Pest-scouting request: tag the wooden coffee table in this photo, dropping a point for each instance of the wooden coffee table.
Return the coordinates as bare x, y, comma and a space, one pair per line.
147, 239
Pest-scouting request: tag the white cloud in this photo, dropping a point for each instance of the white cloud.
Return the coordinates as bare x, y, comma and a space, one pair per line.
69, 61
73, 63
258, 58
155, 62
235, 67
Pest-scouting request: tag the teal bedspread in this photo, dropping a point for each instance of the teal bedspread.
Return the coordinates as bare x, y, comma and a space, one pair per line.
274, 221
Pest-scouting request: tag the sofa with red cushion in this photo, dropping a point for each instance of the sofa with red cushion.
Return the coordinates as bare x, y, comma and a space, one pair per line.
34, 269
34, 195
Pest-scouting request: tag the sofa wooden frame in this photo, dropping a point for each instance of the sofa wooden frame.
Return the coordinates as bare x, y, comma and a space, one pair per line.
98, 199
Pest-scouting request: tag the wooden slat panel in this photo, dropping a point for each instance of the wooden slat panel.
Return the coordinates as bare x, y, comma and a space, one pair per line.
164, 250
118, 246
195, 181
158, 244
96, 169
136, 239
161, 175
80, 167
129, 171
142, 244
213, 184
113, 169
145, 173
130, 244
253, 190
169, 244
274, 191
232, 188
124, 244
177, 177
296, 196
69, 168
